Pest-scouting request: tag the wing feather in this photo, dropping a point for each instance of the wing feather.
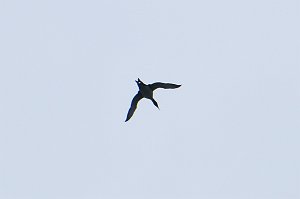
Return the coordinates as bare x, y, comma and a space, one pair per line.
133, 106
163, 85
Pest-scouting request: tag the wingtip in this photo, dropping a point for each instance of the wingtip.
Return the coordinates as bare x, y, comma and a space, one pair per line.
179, 86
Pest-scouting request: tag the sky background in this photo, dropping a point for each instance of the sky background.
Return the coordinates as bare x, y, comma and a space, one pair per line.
67, 71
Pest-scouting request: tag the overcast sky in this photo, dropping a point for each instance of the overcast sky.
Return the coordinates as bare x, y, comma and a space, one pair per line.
67, 71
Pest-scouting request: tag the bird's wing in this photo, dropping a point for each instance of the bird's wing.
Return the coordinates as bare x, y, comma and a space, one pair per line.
163, 85
133, 106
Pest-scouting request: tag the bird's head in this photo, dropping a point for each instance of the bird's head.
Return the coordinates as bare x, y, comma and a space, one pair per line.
139, 82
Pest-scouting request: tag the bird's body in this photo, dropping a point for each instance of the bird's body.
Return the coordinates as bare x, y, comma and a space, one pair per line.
146, 91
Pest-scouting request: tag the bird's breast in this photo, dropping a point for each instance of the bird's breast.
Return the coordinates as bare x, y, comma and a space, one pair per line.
147, 92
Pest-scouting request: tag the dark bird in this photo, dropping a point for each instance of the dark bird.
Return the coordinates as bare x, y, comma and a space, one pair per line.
146, 91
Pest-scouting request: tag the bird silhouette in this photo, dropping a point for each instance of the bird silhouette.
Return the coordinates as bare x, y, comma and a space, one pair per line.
146, 91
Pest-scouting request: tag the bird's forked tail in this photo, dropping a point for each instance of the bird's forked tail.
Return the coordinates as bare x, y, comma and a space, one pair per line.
155, 103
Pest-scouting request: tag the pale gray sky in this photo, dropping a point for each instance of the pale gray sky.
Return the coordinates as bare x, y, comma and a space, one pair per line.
67, 72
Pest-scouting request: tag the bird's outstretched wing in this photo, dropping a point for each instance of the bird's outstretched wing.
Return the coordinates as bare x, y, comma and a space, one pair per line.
133, 106
163, 85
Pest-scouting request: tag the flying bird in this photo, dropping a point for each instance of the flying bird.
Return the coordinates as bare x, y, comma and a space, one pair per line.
146, 91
